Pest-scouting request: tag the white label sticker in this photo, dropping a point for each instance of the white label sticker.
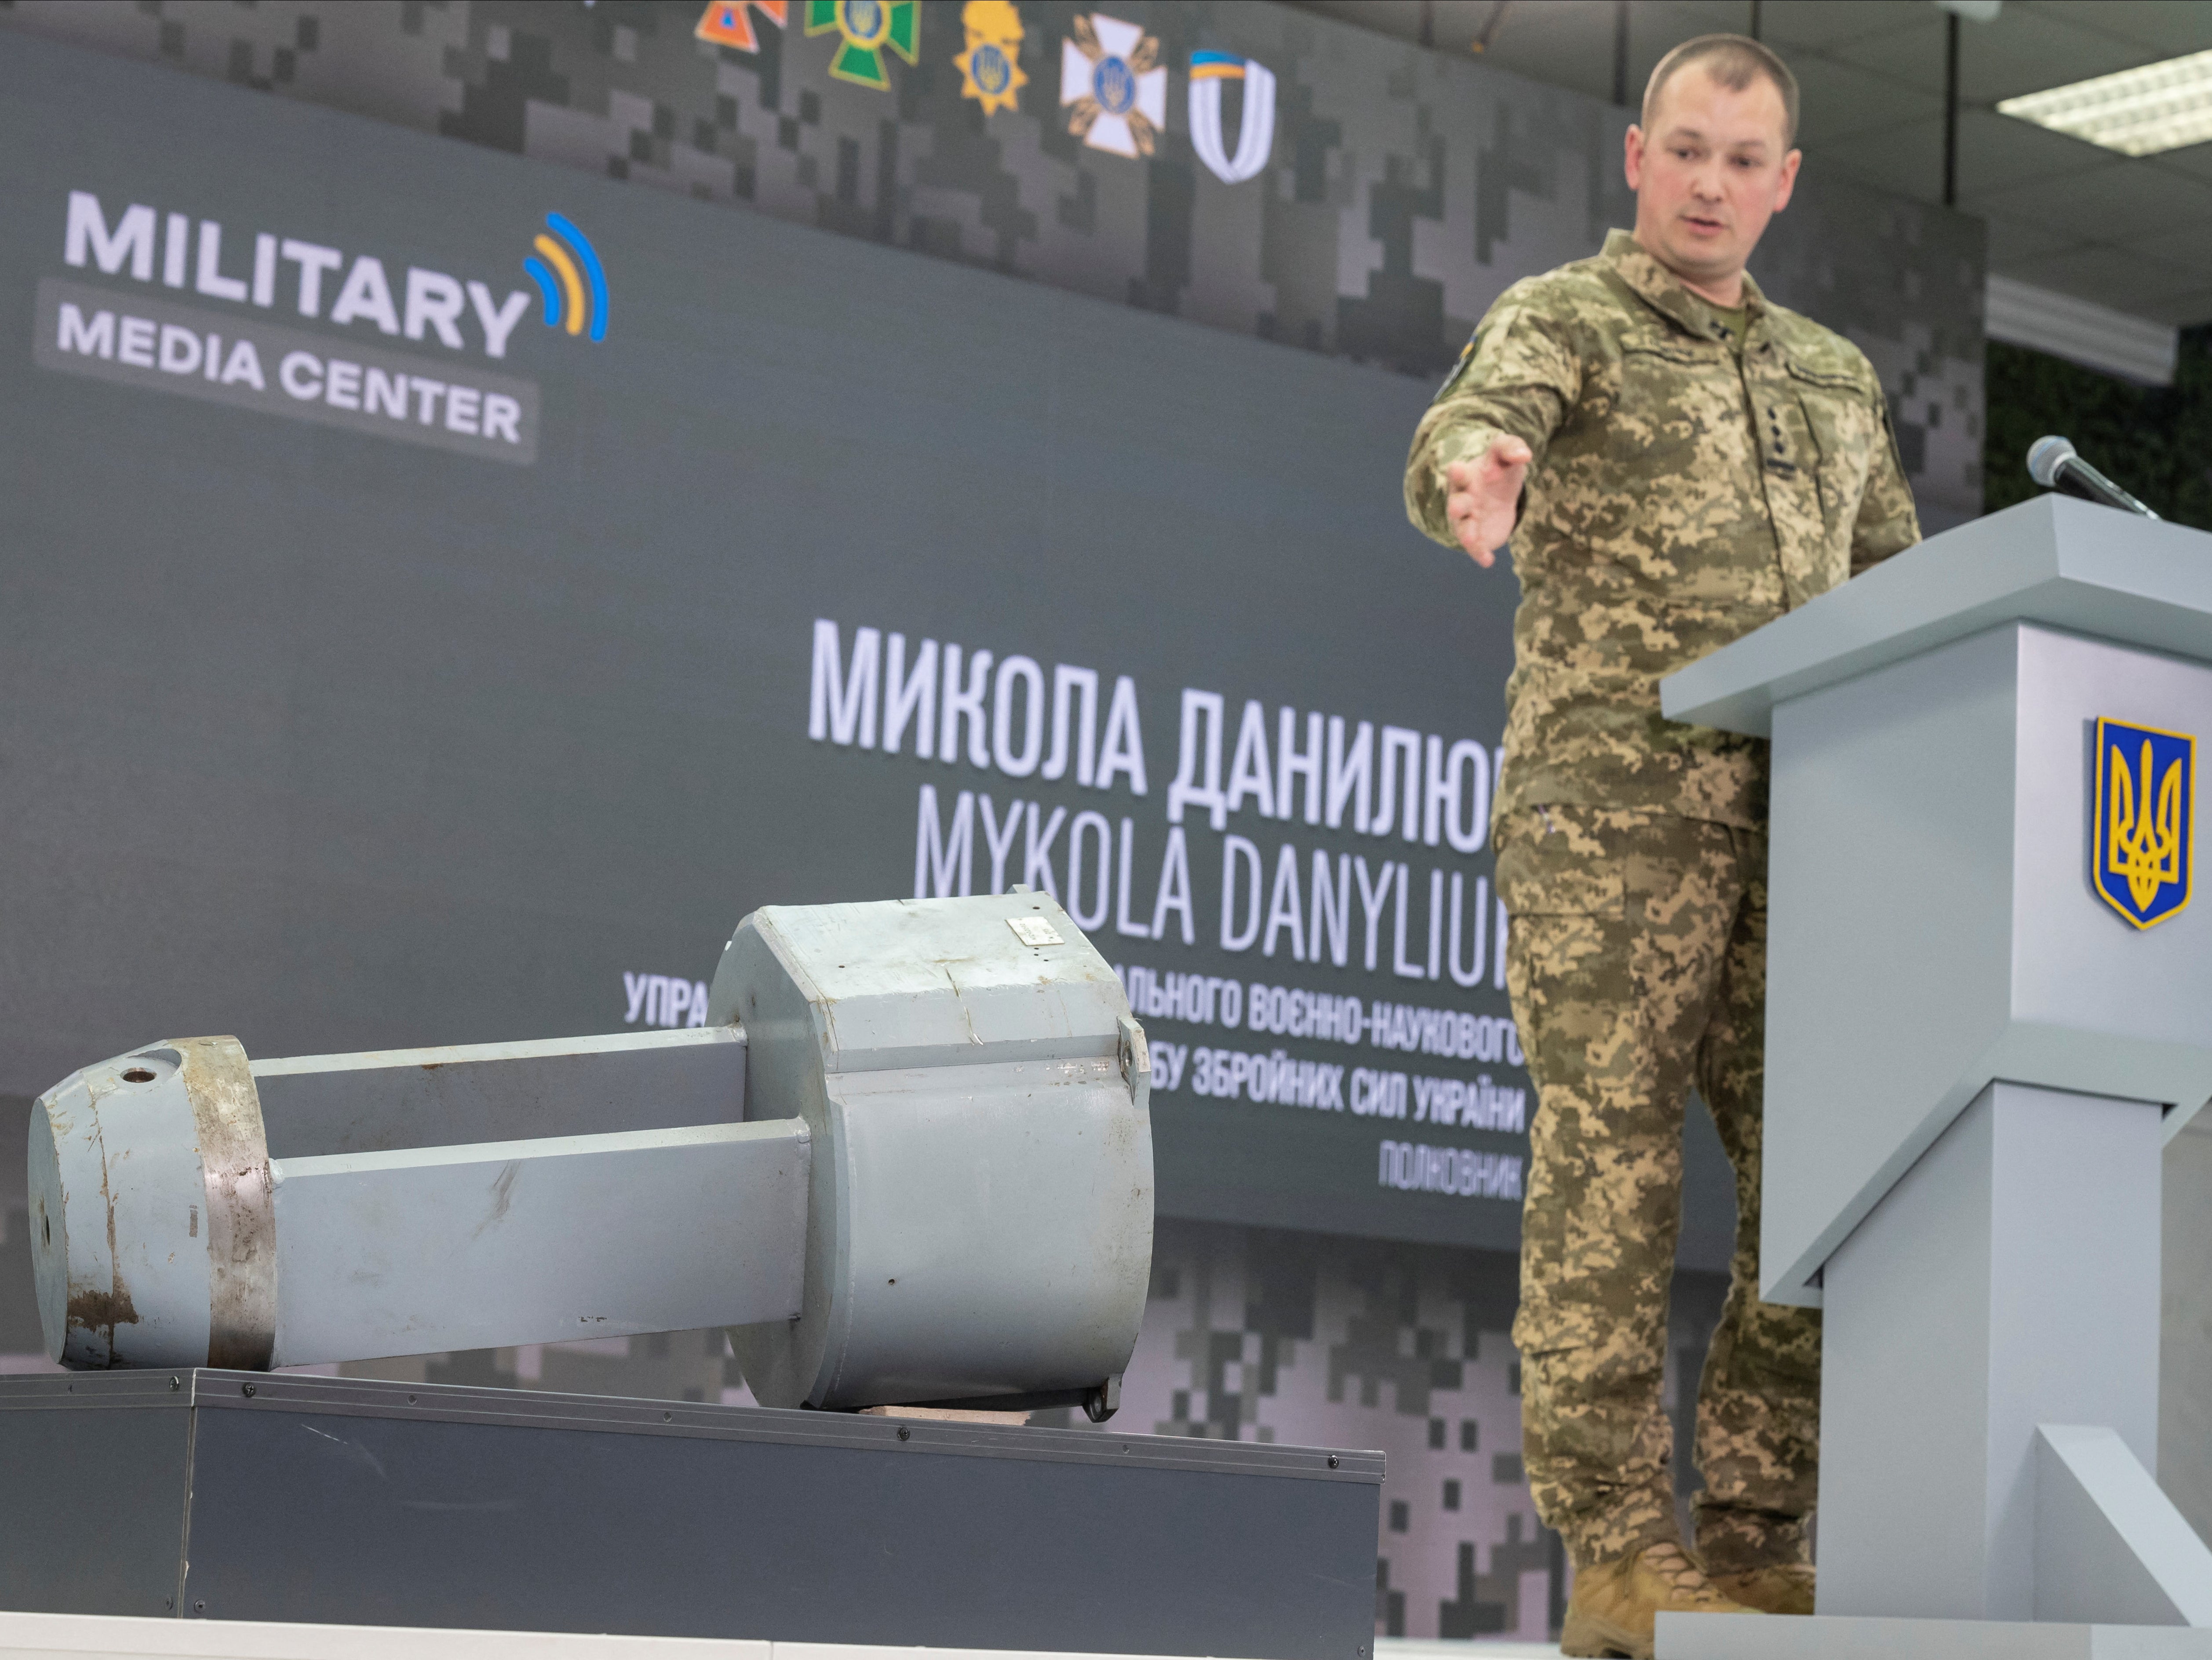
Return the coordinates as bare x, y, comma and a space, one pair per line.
1035, 930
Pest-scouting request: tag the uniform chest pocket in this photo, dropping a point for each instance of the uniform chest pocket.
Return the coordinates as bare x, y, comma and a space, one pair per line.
1845, 427
1678, 399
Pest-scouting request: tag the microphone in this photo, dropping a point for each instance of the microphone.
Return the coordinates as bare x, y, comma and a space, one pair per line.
2052, 463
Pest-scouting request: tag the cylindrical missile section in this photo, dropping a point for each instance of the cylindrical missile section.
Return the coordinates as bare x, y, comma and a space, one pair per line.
152, 1242
165, 1233
981, 1224
909, 1160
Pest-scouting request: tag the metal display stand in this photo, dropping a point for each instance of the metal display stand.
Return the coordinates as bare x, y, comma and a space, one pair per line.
233, 1495
1973, 1061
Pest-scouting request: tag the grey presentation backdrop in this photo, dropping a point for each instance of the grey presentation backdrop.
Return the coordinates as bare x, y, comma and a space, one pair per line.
1404, 187
337, 741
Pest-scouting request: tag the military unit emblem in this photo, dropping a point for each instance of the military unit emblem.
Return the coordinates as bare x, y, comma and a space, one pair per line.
1110, 77
990, 72
729, 22
867, 29
1255, 137
2143, 838
1111, 80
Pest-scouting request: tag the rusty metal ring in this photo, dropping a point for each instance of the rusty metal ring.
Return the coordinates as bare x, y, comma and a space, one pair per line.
241, 1211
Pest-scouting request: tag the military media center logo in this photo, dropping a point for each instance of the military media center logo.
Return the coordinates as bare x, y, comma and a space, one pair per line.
2143, 861
577, 299
393, 350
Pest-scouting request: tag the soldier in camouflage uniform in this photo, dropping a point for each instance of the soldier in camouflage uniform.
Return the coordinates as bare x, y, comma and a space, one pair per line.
1674, 470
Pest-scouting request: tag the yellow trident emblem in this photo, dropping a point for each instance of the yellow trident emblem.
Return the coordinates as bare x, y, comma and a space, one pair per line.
2144, 828
2144, 846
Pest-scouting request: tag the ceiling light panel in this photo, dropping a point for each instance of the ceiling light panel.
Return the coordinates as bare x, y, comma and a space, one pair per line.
2139, 111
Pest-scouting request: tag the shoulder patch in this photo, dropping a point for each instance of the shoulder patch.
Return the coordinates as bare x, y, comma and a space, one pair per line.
1460, 363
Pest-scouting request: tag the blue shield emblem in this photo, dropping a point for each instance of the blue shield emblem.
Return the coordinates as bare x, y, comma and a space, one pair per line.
2145, 821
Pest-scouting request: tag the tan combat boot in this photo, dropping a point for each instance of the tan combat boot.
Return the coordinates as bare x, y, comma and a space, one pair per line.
1615, 1605
1777, 1588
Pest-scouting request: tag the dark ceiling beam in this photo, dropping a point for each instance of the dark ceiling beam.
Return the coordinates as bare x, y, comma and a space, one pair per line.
1620, 53
1951, 109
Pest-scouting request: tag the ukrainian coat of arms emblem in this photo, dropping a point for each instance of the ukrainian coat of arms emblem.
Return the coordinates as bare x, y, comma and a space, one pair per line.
2143, 861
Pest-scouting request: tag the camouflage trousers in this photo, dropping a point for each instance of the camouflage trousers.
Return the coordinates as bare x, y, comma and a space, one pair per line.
1638, 966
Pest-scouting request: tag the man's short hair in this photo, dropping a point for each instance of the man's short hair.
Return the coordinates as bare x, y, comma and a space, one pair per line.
1733, 60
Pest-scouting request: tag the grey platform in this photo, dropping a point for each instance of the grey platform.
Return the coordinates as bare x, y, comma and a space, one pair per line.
254, 1496
1734, 1637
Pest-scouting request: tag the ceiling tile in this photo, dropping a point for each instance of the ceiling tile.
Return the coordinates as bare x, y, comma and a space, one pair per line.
1711, 16
1657, 28
2184, 310
2160, 25
2028, 50
2195, 163
1836, 100
2015, 241
1824, 23
1458, 23
2021, 51
1565, 43
1907, 159
1912, 54
1995, 152
1569, 42
1455, 22
2109, 276
2104, 205
2187, 244
1399, 17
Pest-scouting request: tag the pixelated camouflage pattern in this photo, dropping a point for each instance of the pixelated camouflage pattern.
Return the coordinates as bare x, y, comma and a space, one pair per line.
1637, 963
1681, 496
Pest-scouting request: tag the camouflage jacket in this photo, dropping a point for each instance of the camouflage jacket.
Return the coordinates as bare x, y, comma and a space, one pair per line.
1681, 496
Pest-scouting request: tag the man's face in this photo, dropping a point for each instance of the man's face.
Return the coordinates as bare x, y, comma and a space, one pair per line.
1713, 169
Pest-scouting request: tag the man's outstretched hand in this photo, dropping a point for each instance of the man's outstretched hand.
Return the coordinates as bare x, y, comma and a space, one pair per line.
1484, 497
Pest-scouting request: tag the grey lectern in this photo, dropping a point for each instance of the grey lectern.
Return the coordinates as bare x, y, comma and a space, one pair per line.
1990, 1002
